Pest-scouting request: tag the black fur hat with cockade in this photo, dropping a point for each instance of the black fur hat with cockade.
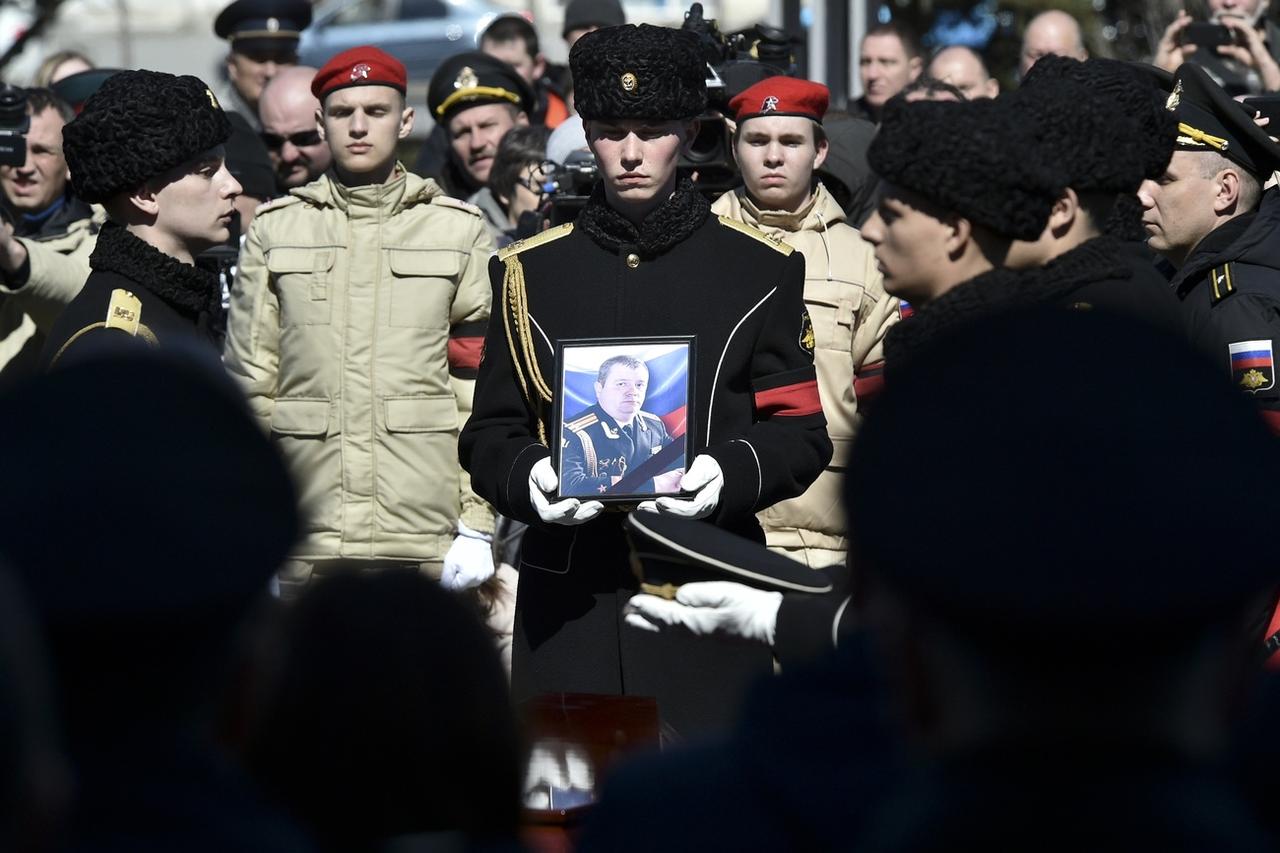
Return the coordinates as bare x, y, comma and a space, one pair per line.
140, 124
970, 158
638, 72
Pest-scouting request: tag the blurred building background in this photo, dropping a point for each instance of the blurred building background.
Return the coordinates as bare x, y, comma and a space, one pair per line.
177, 35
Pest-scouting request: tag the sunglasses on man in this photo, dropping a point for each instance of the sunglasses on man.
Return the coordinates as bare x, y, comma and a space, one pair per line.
301, 139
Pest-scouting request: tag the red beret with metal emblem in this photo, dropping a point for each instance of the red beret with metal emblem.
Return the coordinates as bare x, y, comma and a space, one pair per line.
360, 66
781, 96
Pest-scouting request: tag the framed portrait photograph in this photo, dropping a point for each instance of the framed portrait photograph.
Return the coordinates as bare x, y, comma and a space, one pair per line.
622, 410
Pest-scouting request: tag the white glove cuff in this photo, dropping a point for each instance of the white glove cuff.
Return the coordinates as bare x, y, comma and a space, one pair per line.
463, 530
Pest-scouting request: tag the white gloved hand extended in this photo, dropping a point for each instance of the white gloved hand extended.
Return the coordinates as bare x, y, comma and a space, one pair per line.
542, 482
469, 561
705, 479
706, 608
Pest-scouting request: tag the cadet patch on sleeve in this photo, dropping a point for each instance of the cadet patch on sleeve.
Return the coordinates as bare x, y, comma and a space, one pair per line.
806, 332
1253, 365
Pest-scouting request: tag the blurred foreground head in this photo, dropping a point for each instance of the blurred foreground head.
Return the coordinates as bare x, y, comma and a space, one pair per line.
1071, 500
147, 513
386, 715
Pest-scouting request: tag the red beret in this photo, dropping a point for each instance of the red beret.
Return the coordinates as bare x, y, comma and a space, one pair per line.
359, 66
781, 96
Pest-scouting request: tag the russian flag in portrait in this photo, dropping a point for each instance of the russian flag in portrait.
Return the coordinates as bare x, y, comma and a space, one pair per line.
1253, 365
668, 383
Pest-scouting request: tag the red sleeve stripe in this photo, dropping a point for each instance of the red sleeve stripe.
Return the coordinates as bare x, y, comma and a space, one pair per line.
1272, 419
464, 353
790, 401
869, 381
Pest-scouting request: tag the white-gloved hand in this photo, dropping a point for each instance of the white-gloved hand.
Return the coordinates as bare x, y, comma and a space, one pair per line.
542, 482
706, 608
705, 479
469, 561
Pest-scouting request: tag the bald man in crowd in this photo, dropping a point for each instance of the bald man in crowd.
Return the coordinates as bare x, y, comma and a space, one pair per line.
287, 111
1051, 32
963, 68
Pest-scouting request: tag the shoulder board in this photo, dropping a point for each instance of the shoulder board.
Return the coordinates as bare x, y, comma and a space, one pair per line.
536, 240
582, 422
1221, 283
651, 416
756, 234
456, 204
276, 204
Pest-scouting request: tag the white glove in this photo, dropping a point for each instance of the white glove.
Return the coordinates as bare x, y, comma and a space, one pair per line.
542, 482
706, 608
469, 561
705, 479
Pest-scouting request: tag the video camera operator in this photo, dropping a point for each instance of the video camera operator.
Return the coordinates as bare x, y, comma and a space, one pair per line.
1239, 46
48, 234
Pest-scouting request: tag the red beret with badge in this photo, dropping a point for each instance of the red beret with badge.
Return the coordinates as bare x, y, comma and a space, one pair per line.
360, 66
781, 96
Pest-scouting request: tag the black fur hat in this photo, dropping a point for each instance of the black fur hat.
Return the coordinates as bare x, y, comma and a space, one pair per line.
969, 158
1108, 113
138, 125
638, 72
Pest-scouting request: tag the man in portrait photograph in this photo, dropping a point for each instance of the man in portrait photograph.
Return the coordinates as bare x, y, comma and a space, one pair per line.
605, 441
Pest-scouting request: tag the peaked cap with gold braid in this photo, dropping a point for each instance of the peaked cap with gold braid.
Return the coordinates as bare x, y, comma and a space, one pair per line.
1211, 120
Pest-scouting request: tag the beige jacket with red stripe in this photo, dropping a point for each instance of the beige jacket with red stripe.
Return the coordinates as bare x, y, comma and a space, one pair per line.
851, 312
356, 322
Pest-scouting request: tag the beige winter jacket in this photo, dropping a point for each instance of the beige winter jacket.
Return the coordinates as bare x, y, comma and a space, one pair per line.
850, 313
356, 323
58, 267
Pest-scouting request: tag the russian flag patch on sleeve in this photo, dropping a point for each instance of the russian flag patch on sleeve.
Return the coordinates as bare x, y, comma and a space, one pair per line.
1253, 365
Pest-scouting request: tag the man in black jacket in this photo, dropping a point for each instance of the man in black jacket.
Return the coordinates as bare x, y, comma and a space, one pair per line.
148, 146
1209, 217
644, 258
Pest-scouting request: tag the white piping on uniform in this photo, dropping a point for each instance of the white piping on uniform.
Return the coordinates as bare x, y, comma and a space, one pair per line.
835, 624
711, 400
544, 334
759, 470
635, 521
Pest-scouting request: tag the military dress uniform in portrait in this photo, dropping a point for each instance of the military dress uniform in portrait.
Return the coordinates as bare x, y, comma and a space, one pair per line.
597, 451
755, 412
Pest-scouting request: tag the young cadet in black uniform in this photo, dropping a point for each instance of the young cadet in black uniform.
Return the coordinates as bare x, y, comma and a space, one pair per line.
1209, 217
645, 257
148, 147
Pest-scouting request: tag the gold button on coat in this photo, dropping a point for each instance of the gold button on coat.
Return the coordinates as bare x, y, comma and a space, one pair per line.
633, 260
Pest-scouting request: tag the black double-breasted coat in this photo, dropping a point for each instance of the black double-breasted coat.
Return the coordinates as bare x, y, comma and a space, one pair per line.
756, 411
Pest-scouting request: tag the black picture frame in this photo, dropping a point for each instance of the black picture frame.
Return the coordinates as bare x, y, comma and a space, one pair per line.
593, 457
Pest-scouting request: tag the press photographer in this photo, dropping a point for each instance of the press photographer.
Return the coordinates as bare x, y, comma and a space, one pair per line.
48, 233
1239, 46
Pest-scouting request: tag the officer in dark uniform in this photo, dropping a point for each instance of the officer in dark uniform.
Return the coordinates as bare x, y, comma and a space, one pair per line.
608, 440
1209, 216
650, 259
263, 35
149, 148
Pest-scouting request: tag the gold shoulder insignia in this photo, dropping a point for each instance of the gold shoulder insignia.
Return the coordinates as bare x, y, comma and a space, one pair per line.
456, 204
582, 422
124, 312
536, 240
757, 234
1221, 283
